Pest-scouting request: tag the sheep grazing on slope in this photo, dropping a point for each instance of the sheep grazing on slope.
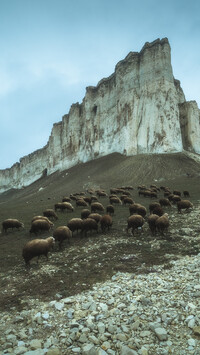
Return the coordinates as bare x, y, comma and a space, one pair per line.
175, 199
138, 209
50, 214
37, 247
11, 223
186, 193
85, 213
135, 221
162, 223
44, 218
40, 225
184, 204
62, 206
110, 209
62, 233
81, 203
97, 207
115, 200
128, 200
165, 202
89, 224
96, 216
152, 222
153, 205
66, 199
75, 224
106, 222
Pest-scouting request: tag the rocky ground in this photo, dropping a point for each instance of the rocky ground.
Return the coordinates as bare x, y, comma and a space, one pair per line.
155, 310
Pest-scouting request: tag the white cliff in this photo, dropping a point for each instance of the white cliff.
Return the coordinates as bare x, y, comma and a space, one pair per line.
140, 108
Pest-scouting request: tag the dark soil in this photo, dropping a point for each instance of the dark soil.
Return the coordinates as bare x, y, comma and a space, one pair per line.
98, 256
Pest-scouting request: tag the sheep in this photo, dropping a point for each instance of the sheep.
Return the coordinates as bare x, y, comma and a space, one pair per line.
186, 193
89, 224
135, 221
61, 233
50, 213
37, 247
81, 203
184, 204
138, 209
128, 200
66, 199
101, 193
87, 199
110, 209
152, 222
97, 206
162, 223
165, 202
11, 223
157, 210
85, 213
64, 206
39, 225
153, 205
106, 222
44, 218
177, 192
96, 216
115, 200
75, 224
175, 199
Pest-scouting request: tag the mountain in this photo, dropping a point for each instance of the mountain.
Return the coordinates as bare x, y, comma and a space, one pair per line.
139, 109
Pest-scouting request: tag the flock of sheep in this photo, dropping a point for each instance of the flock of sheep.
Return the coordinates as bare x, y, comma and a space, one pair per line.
90, 219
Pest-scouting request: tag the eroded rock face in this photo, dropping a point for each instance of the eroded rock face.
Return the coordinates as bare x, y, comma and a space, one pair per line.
135, 110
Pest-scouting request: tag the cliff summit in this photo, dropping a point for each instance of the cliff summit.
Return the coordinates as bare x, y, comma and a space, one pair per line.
139, 109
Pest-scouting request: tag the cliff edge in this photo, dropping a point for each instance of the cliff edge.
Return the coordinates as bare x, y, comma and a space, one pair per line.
139, 109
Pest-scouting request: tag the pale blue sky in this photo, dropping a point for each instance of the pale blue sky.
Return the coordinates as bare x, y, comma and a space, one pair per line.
50, 50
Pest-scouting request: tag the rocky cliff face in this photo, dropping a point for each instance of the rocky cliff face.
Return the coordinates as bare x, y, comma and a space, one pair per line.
140, 108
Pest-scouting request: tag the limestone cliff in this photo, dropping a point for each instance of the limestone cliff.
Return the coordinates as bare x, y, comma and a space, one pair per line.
140, 108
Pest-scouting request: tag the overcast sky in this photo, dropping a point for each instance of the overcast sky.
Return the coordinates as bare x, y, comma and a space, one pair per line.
50, 50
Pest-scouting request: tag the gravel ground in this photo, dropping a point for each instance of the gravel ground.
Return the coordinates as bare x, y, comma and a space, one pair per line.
154, 313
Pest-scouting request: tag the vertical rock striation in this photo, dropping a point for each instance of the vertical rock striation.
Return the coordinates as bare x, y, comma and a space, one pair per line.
140, 108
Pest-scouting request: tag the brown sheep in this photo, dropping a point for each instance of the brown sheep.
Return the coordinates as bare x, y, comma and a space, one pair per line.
184, 204
135, 221
175, 199
158, 210
89, 224
96, 216
115, 200
11, 223
138, 209
152, 222
162, 223
37, 247
40, 225
153, 205
81, 203
128, 200
62, 233
75, 224
110, 209
66, 199
87, 199
186, 193
177, 192
50, 214
44, 218
101, 193
106, 222
85, 213
97, 206
165, 202
64, 206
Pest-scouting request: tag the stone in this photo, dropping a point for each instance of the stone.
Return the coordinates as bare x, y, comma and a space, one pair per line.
35, 344
191, 342
53, 351
196, 330
161, 334
125, 350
